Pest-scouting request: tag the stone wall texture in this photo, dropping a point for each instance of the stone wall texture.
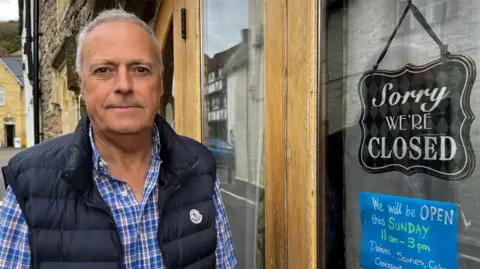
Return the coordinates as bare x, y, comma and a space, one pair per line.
54, 32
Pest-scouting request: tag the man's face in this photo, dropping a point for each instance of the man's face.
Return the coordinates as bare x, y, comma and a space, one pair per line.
120, 78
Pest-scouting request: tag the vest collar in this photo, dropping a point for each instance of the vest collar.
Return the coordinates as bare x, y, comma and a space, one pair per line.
177, 160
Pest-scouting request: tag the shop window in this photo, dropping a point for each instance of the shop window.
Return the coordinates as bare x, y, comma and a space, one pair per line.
233, 117
392, 153
2, 96
225, 145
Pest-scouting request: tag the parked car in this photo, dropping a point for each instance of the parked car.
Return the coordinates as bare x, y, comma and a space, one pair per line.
223, 152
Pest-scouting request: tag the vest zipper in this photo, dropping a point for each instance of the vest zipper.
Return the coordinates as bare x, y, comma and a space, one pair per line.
116, 228
170, 188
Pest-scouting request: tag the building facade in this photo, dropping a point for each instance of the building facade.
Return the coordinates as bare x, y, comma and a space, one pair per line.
215, 82
343, 138
12, 101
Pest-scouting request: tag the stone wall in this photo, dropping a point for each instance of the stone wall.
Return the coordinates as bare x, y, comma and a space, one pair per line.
54, 33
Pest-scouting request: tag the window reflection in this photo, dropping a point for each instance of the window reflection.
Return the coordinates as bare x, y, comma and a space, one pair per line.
350, 52
232, 116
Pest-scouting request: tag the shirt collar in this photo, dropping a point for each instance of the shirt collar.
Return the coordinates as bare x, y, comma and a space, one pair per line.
99, 165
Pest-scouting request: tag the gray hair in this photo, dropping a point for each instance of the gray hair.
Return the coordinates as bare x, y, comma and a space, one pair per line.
109, 16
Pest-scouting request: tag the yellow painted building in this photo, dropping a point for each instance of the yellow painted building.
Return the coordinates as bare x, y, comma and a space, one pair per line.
12, 101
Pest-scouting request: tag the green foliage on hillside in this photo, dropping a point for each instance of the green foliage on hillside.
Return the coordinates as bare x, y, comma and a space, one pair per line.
9, 37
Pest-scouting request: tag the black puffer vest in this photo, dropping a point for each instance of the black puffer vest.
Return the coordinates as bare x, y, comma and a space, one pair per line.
70, 226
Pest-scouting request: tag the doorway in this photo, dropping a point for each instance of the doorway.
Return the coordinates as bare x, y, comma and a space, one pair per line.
168, 102
9, 135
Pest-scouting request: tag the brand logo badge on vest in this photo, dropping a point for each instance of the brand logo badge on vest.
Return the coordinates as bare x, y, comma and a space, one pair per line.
195, 216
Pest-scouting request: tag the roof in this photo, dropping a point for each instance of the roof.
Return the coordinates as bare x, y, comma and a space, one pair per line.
238, 58
17, 53
221, 58
14, 64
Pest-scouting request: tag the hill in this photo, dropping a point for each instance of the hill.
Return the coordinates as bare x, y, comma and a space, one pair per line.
9, 37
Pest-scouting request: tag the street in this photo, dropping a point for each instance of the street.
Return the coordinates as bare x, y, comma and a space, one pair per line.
5, 155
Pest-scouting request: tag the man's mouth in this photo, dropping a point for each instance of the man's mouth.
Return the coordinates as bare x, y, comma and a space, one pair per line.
124, 107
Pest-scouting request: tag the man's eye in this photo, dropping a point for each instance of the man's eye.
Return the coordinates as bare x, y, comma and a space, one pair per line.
101, 70
142, 70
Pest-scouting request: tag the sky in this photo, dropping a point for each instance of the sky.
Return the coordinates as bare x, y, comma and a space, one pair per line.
8, 10
223, 20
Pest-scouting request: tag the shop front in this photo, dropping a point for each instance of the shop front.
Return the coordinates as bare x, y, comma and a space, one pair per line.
226, 84
344, 131
402, 133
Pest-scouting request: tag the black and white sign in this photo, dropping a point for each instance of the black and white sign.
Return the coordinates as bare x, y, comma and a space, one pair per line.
417, 119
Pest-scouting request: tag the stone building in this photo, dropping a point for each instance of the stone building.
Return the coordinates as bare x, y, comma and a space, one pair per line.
12, 101
60, 23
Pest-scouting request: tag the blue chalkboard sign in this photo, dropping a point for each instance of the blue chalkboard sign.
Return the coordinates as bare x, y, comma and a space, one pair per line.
406, 233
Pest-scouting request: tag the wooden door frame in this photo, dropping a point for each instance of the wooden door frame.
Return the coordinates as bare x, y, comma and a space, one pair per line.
291, 91
187, 87
163, 23
276, 216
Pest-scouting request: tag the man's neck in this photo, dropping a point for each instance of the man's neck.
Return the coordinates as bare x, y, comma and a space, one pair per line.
125, 151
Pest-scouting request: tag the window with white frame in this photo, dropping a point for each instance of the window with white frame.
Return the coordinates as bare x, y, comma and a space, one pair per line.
2, 96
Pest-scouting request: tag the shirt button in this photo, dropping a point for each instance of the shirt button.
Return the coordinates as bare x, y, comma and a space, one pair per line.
125, 193
101, 164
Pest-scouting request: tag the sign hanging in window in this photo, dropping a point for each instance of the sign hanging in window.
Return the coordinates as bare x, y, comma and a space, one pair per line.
417, 119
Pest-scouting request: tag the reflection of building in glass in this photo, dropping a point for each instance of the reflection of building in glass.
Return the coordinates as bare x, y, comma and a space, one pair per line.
226, 79
226, 100
216, 94
233, 122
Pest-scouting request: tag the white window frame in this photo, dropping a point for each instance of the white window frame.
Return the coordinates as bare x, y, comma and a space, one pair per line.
2, 93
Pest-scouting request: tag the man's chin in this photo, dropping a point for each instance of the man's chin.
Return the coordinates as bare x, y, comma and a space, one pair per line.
127, 129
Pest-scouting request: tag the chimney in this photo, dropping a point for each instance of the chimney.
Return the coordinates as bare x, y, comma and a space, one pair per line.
246, 34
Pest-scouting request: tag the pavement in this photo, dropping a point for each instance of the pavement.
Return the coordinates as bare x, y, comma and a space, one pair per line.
5, 155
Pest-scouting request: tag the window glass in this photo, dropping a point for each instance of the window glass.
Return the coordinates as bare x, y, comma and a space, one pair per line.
2, 96
402, 135
232, 116
210, 143
225, 145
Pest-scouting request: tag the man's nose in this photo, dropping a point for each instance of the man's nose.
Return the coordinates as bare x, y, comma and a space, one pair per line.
123, 81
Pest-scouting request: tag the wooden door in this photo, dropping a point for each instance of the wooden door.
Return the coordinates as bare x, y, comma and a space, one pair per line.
176, 28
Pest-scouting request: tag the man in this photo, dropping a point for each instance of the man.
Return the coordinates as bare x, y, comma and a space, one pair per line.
124, 190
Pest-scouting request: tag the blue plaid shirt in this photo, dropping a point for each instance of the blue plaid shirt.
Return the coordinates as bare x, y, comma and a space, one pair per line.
137, 222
